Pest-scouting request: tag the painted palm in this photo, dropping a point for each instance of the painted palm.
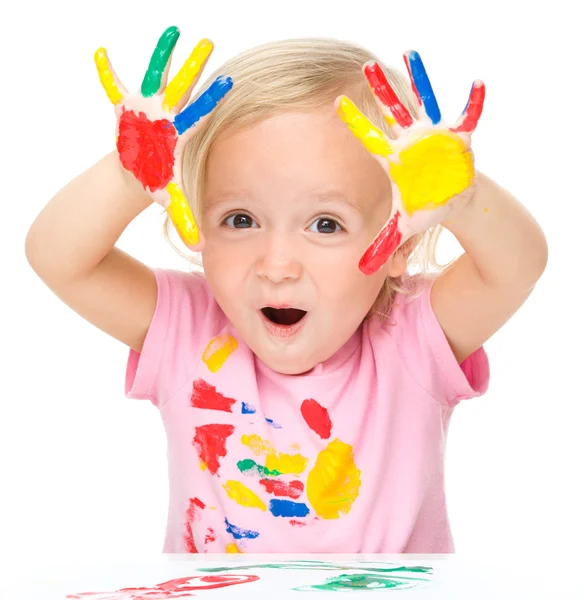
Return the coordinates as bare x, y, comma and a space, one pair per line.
153, 124
428, 162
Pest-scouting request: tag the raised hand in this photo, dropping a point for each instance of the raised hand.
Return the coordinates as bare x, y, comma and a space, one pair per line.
429, 163
152, 128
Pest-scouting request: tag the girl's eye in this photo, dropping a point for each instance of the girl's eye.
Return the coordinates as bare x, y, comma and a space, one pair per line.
240, 221
326, 225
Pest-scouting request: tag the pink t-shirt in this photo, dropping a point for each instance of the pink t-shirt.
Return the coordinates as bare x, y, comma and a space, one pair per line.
346, 458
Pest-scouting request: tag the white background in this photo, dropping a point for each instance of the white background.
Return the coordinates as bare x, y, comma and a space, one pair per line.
82, 469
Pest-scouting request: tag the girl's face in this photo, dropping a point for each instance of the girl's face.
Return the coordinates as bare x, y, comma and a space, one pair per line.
290, 206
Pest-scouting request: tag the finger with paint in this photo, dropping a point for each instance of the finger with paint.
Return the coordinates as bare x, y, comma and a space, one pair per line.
153, 125
428, 163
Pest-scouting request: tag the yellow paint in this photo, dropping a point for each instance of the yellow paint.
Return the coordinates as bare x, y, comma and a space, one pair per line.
389, 120
243, 495
218, 351
203, 465
181, 215
286, 463
232, 549
275, 461
256, 444
295, 446
181, 82
333, 483
106, 76
432, 170
372, 138
486, 210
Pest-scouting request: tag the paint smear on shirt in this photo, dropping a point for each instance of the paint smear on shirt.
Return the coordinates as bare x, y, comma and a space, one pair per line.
249, 466
232, 549
287, 508
193, 514
218, 351
210, 443
278, 487
333, 483
206, 395
243, 495
247, 409
317, 418
210, 536
239, 533
283, 463
273, 424
256, 444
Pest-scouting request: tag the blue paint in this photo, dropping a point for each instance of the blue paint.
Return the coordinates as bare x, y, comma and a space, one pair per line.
247, 409
424, 87
287, 508
275, 425
238, 532
203, 105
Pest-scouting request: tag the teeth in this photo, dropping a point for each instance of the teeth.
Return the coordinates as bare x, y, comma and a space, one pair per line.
283, 316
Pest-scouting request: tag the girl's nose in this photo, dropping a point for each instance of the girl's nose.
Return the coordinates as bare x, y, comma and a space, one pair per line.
278, 261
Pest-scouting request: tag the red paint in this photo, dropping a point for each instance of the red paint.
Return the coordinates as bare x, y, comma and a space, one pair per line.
210, 442
171, 589
296, 523
382, 248
281, 488
317, 418
473, 110
146, 148
210, 537
192, 512
386, 94
206, 395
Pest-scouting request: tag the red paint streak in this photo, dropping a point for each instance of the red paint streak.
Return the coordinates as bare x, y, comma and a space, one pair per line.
386, 94
382, 248
280, 488
317, 418
171, 589
210, 442
192, 512
146, 148
296, 523
210, 537
206, 395
473, 110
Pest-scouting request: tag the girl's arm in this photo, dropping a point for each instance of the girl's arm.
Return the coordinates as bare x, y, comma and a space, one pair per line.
70, 246
505, 254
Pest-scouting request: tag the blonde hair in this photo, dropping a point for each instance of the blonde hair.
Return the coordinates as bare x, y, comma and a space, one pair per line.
296, 75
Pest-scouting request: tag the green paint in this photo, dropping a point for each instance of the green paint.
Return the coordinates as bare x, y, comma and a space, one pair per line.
158, 61
248, 466
361, 581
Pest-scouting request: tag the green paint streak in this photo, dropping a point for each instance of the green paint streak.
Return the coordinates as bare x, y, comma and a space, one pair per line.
360, 581
158, 61
315, 565
247, 464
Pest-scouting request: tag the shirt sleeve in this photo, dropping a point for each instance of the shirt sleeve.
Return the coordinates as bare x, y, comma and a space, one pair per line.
428, 356
171, 342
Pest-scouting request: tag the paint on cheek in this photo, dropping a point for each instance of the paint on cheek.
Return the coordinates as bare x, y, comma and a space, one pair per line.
206, 395
431, 171
317, 418
383, 246
210, 443
287, 508
278, 487
239, 533
243, 495
218, 351
193, 514
146, 149
333, 483
249, 467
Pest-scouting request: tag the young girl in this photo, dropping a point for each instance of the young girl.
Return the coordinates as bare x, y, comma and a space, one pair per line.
307, 379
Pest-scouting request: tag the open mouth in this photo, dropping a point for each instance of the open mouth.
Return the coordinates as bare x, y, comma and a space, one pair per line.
283, 316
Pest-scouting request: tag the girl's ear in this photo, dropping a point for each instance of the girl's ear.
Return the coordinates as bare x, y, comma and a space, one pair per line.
397, 264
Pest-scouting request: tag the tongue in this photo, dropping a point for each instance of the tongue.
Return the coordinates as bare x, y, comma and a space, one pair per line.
284, 316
